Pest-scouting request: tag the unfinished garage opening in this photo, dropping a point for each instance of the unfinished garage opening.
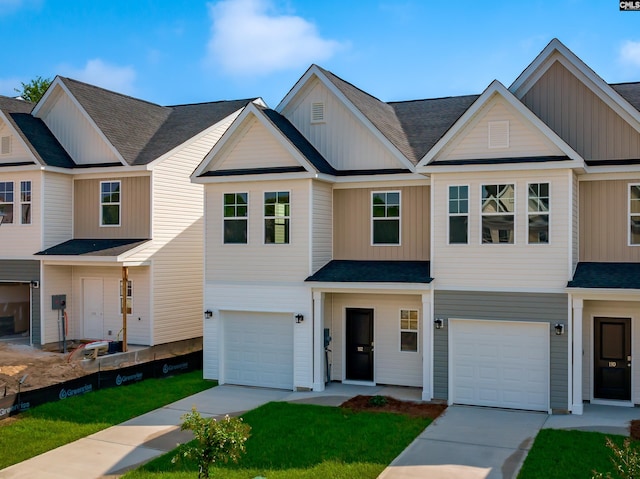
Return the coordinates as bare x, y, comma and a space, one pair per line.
15, 311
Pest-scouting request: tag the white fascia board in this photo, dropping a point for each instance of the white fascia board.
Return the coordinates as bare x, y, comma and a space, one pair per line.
315, 71
20, 168
610, 173
498, 289
45, 98
63, 87
377, 288
203, 180
15, 132
551, 165
557, 51
497, 88
604, 294
93, 173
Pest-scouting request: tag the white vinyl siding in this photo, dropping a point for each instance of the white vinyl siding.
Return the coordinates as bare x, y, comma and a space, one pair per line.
21, 241
12, 150
342, 137
57, 280
58, 209
519, 266
322, 225
523, 139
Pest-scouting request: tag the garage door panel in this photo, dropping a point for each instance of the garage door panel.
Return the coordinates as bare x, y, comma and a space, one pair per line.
500, 363
258, 349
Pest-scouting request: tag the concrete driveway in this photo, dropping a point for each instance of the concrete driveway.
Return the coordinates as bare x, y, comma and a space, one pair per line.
469, 443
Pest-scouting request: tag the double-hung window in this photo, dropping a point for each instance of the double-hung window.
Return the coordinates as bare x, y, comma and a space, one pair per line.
235, 218
6, 201
109, 203
409, 330
538, 212
634, 214
25, 202
276, 217
385, 216
498, 210
458, 214
129, 297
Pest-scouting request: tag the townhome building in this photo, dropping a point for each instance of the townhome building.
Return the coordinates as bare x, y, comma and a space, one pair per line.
483, 248
96, 203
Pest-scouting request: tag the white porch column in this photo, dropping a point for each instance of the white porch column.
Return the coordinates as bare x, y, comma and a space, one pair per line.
427, 348
318, 341
576, 406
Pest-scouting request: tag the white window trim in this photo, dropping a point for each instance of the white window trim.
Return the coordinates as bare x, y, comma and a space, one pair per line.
515, 211
128, 296
416, 331
629, 214
30, 202
224, 218
11, 203
467, 214
264, 217
548, 213
399, 243
119, 203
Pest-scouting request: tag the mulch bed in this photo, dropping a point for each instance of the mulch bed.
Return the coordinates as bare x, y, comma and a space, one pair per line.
389, 404
634, 429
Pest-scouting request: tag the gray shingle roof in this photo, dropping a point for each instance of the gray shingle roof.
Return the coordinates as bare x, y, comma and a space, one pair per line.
92, 247
41, 141
13, 105
606, 275
630, 92
345, 271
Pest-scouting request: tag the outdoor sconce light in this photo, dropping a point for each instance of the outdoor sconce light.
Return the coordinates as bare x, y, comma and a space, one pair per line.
559, 327
438, 323
208, 314
299, 318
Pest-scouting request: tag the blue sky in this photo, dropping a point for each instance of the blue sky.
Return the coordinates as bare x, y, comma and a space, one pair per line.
188, 51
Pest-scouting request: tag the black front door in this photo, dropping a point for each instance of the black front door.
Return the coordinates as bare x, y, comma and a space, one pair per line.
359, 344
612, 356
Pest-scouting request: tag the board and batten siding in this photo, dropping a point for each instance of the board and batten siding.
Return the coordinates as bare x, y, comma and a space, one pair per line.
524, 139
58, 209
25, 271
56, 280
341, 138
352, 234
322, 225
74, 132
269, 298
135, 210
604, 222
391, 366
482, 305
506, 266
255, 261
18, 241
580, 117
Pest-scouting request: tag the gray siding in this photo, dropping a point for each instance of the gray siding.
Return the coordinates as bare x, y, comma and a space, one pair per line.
25, 270
503, 306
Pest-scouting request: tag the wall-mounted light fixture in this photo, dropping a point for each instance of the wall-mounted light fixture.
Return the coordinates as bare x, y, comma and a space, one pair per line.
438, 323
35, 284
559, 327
208, 314
299, 318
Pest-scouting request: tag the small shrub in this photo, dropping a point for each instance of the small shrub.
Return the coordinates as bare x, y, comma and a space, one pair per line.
626, 461
377, 401
215, 441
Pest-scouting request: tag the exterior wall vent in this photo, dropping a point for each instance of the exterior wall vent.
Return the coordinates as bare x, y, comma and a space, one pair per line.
317, 112
499, 134
5, 145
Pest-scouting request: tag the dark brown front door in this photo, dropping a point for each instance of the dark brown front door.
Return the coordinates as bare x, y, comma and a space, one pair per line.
359, 344
612, 355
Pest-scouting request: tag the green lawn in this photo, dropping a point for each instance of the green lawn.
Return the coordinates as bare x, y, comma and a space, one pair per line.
51, 425
566, 454
306, 441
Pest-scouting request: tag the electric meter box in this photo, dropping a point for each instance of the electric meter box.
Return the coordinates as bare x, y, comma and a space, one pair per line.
59, 301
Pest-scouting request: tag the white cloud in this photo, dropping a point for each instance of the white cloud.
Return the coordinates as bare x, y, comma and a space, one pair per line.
630, 53
8, 86
248, 37
98, 72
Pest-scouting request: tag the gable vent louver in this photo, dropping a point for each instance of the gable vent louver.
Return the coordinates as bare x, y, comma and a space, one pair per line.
499, 134
5, 145
317, 112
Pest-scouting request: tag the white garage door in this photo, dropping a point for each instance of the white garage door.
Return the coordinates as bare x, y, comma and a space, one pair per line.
258, 349
499, 363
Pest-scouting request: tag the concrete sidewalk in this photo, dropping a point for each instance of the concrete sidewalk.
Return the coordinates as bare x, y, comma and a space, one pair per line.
115, 450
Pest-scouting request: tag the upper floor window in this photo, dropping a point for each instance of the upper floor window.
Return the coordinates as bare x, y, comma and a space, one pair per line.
385, 212
25, 202
276, 217
6, 201
109, 203
538, 213
458, 214
634, 214
498, 206
129, 297
235, 218
409, 330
